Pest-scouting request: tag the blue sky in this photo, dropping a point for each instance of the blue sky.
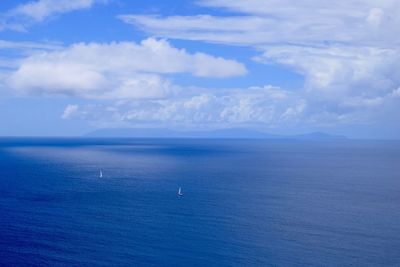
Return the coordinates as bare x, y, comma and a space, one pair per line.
68, 67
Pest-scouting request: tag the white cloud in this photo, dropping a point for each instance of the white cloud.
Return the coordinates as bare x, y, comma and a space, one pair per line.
229, 30
375, 16
348, 51
294, 112
28, 46
39, 10
115, 70
262, 22
70, 111
340, 70
36, 11
264, 107
11, 54
395, 93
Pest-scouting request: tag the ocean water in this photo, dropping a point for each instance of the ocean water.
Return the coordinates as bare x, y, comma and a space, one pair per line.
245, 202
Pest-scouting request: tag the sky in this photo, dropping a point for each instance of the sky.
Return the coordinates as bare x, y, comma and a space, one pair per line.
68, 67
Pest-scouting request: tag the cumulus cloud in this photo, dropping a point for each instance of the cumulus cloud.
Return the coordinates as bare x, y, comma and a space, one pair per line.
36, 11
340, 69
12, 51
116, 70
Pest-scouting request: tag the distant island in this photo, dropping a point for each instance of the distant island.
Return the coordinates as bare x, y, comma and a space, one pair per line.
232, 133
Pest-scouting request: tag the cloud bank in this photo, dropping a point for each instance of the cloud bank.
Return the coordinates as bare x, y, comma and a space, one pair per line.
264, 107
119, 70
347, 51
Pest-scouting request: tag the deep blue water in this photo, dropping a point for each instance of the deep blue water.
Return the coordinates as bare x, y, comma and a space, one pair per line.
245, 203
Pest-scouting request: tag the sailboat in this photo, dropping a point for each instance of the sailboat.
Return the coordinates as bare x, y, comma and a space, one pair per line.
101, 174
180, 192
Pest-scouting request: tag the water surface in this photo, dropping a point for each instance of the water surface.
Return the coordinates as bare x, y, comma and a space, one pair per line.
245, 203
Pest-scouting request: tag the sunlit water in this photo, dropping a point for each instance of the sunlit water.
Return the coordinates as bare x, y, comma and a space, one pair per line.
245, 203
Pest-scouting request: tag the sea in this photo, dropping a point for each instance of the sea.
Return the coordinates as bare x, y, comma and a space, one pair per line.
244, 202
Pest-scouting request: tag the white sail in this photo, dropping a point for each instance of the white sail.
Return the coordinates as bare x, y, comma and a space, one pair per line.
180, 191
101, 174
